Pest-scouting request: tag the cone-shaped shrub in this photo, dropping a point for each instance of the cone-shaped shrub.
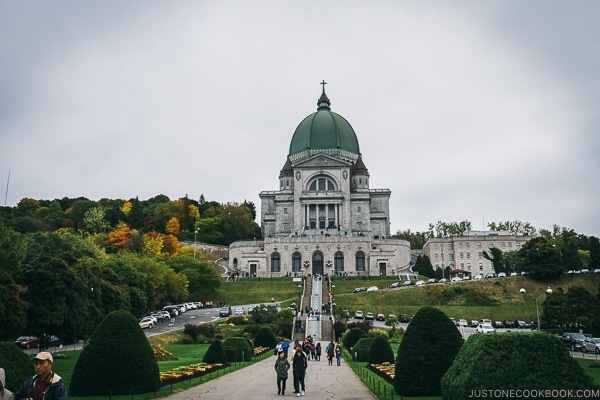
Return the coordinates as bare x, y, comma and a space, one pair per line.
380, 351
265, 338
215, 353
118, 361
352, 336
512, 361
427, 350
238, 349
360, 351
17, 365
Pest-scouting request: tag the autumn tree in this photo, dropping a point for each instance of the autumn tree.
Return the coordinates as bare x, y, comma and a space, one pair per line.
172, 226
119, 237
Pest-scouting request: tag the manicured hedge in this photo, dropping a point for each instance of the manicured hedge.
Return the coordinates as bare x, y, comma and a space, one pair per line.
512, 361
118, 361
360, 351
352, 337
427, 350
238, 349
265, 338
17, 365
215, 353
380, 351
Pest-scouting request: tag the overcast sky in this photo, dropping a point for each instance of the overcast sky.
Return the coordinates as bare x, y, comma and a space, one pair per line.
475, 110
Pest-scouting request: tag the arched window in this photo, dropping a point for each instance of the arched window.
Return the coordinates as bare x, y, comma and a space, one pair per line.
321, 184
360, 261
339, 261
296, 262
275, 262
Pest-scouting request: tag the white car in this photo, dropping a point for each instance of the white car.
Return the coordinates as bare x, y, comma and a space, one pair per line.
419, 283
238, 311
372, 289
485, 328
478, 277
456, 279
146, 323
502, 275
359, 315
462, 322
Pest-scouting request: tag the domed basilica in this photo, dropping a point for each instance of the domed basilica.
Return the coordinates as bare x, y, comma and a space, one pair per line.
324, 219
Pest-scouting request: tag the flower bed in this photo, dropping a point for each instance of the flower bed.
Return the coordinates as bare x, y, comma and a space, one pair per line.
188, 372
385, 370
161, 354
260, 351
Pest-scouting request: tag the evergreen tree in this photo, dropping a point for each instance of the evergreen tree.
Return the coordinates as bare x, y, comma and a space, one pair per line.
427, 350
380, 351
17, 365
215, 353
118, 361
265, 338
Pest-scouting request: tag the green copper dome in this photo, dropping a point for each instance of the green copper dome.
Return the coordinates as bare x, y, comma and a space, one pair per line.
324, 130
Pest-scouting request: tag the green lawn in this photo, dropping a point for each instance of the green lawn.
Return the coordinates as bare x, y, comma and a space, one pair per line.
251, 290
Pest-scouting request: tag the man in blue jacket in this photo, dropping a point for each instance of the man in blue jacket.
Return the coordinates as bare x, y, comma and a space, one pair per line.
45, 384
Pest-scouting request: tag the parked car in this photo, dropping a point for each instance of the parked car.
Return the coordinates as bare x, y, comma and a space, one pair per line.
498, 324
27, 342
380, 317
238, 311
407, 283
419, 283
394, 285
573, 340
509, 323
443, 280
585, 271
591, 345
359, 315
146, 323
370, 316
372, 289
502, 275
596, 271
224, 311
431, 280
172, 310
360, 289
478, 277
485, 328
462, 322
474, 323
490, 275
522, 325
404, 318
456, 279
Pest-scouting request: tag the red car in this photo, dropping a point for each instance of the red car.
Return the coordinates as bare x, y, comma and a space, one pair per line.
380, 317
27, 342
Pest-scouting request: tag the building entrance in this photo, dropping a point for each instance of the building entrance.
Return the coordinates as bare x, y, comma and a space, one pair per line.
317, 263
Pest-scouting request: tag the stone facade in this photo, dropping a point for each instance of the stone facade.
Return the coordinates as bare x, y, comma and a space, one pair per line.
324, 218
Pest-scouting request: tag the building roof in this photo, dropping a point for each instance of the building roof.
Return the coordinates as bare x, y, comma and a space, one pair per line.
324, 130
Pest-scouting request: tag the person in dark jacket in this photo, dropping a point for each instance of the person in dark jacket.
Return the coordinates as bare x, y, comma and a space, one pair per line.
281, 368
45, 384
299, 364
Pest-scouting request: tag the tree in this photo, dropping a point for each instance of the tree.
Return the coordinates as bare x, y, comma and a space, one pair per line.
495, 256
380, 351
360, 351
16, 364
574, 309
215, 353
238, 349
12, 308
514, 227
416, 239
94, 221
570, 252
510, 363
119, 237
594, 252
265, 338
172, 226
118, 361
352, 337
540, 259
427, 350
423, 266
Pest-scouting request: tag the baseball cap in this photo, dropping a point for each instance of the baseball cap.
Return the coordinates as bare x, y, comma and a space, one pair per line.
44, 355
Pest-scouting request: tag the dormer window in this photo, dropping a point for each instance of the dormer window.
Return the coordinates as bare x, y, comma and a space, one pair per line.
321, 184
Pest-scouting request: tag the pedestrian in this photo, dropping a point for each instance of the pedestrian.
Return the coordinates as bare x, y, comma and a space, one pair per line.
285, 346
318, 351
281, 368
330, 350
5, 394
338, 354
299, 365
45, 384
313, 351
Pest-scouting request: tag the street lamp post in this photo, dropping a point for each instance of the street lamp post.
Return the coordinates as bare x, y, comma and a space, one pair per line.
195, 233
300, 295
537, 308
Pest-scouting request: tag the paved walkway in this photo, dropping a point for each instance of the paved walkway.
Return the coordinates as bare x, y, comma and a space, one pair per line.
259, 381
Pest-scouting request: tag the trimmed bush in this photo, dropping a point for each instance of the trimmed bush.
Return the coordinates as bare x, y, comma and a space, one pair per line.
380, 351
360, 351
427, 350
265, 338
215, 353
339, 327
512, 361
118, 361
200, 330
238, 349
352, 336
17, 365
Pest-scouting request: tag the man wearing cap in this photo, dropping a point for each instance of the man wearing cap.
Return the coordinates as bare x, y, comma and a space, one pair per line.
45, 384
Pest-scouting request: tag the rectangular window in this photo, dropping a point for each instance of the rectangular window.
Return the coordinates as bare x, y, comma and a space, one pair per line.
461, 255
502, 244
517, 245
285, 210
451, 256
358, 209
435, 246
481, 266
450, 246
373, 209
478, 245
510, 245
359, 226
436, 256
491, 245
468, 245
480, 255
286, 227
468, 255
460, 245
469, 266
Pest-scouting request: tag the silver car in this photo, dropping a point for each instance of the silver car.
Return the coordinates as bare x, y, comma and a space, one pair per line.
591, 345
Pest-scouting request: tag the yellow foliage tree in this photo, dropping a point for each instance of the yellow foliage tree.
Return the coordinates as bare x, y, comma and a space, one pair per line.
172, 226
153, 245
126, 207
170, 244
119, 237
